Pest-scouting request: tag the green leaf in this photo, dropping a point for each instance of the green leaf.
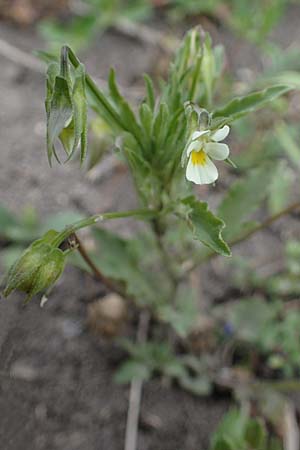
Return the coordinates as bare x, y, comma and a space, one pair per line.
198, 385
146, 118
224, 443
255, 434
288, 143
183, 313
230, 431
208, 68
7, 220
240, 106
160, 125
127, 116
280, 187
132, 370
150, 98
243, 198
205, 226
113, 88
250, 317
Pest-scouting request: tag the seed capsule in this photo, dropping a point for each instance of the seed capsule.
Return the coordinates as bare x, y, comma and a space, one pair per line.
38, 268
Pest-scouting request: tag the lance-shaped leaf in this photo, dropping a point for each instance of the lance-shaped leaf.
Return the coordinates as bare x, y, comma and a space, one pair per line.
150, 98
127, 116
206, 227
240, 106
208, 68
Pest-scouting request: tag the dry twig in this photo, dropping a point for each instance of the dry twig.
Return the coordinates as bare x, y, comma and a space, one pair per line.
135, 394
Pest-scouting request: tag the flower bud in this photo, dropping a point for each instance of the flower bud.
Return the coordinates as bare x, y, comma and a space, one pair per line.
38, 268
66, 108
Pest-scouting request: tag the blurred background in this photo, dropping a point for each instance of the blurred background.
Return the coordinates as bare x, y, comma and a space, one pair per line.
57, 388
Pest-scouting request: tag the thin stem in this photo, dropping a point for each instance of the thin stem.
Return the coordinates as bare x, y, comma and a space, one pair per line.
165, 257
266, 223
135, 396
142, 214
85, 256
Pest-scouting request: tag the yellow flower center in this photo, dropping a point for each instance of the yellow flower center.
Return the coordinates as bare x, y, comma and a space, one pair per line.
198, 158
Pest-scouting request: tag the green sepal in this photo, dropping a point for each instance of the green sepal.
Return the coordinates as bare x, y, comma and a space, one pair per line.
60, 113
48, 273
79, 103
66, 107
38, 267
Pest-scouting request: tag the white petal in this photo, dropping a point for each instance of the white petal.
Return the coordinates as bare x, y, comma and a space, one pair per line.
198, 134
201, 174
221, 134
217, 151
195, 145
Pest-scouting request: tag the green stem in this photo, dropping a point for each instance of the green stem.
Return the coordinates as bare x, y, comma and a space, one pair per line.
172, 274
110, 284
138, 213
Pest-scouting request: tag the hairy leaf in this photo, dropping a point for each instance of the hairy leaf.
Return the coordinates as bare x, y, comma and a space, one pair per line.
128, 119
132, 369
240, 106
183, 313
150, 98
205, 225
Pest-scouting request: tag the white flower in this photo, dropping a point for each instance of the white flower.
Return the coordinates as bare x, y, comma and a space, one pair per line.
203, 146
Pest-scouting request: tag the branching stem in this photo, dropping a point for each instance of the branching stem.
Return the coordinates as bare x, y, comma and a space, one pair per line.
95, 270
142, 214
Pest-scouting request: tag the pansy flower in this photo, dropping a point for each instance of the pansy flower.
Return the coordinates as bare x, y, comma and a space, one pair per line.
203, 147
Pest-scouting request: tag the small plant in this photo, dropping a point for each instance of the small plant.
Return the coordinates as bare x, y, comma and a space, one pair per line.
170, 142
175, 139
238, 430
